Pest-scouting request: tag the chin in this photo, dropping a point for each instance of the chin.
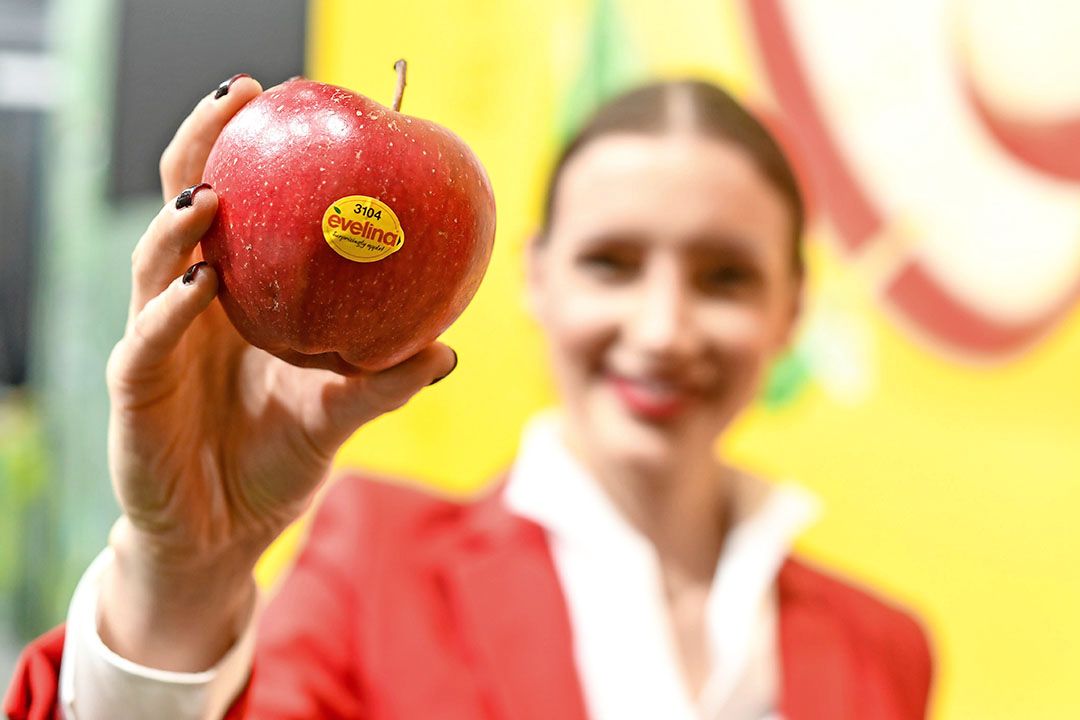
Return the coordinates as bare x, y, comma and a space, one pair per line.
639, 442
646, 441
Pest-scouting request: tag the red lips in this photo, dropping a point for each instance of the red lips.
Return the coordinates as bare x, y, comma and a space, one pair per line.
650, 400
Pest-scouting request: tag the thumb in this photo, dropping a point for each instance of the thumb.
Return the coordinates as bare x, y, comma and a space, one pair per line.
351, 401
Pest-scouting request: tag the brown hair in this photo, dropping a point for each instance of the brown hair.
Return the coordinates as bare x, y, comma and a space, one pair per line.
658, 107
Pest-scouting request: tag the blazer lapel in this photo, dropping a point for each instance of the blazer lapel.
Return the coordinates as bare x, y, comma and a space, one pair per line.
503, 585
818, 674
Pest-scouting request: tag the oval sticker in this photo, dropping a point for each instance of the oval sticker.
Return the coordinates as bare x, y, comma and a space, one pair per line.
362, 228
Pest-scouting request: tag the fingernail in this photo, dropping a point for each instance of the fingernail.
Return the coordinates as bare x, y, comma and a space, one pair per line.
447, 373
187, 196
223, 88
191, 272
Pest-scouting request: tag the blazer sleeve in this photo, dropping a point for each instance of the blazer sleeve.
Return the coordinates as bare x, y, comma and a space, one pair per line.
34, 690
305, 657
913, 666
897, 664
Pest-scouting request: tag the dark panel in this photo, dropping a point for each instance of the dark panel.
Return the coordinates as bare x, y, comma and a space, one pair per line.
22, 25
172, 53
21, 134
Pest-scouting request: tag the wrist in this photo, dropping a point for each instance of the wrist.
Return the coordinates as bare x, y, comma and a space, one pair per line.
173, 565
180, 615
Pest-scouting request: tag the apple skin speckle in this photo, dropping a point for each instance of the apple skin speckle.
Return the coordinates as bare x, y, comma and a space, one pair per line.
283, 286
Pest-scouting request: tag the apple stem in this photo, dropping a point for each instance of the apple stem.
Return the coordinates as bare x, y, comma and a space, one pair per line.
400, 90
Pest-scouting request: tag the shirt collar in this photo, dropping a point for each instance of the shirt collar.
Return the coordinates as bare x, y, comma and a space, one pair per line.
551, 487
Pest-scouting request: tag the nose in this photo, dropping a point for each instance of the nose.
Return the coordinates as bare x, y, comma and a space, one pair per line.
660, 325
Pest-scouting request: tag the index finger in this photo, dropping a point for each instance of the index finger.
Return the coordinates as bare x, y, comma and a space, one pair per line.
184, 158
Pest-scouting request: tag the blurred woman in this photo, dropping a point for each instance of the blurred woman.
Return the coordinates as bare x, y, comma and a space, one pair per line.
619, 570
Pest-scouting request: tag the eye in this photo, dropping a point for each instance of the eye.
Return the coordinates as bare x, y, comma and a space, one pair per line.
609, 264
729, 278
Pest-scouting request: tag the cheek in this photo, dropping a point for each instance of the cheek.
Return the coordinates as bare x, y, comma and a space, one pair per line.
740, 353
580, 323
742, 333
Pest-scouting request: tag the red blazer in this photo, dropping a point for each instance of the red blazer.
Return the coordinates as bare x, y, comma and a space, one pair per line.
406, 606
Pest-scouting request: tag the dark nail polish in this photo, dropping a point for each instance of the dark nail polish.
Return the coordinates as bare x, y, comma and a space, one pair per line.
187, 196
223, 88
447, 374
191, 272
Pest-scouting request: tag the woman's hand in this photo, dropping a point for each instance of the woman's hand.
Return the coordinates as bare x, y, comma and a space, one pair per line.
214, 446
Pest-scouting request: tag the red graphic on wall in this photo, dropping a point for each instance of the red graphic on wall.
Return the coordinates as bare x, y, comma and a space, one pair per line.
914, 291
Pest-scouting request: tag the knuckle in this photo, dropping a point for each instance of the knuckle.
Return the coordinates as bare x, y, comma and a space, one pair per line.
384, 399
167, 163
306, 445
139, 265
115, 367
139, 251
148, 321
141, 327
148, 250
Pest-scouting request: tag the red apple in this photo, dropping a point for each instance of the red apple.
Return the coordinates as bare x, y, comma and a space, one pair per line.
348, 235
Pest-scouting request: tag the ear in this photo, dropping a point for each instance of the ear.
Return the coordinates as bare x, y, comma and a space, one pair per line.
535, 275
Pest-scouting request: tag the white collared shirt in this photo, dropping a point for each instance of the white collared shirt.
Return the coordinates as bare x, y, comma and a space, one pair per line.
624, 644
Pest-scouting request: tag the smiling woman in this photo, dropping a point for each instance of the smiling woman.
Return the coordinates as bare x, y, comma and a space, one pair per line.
621, 570
668, 275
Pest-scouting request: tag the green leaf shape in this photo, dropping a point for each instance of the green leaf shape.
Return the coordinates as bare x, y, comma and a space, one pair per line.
612, 64
789, 376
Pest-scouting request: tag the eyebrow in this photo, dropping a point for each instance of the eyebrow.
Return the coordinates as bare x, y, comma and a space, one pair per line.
627, 236
727, 244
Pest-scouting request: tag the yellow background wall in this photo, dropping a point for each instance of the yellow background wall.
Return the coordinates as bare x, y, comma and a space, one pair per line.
954, 489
